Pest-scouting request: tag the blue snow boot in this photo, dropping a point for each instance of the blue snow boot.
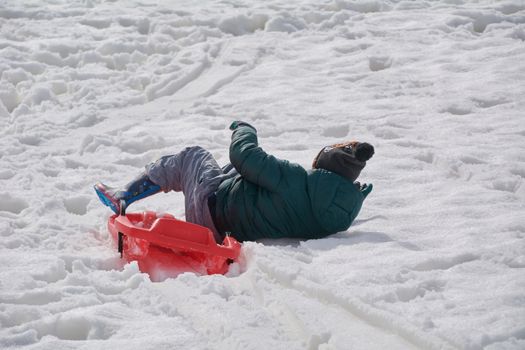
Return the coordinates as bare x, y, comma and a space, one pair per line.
118, 200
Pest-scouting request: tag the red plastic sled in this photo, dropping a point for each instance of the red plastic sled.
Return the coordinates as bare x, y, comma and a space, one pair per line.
164, 246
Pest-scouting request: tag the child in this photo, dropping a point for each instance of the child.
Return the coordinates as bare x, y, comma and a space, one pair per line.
257, 195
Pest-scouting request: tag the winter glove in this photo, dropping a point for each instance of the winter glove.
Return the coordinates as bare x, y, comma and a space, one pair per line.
238, 123
366, 189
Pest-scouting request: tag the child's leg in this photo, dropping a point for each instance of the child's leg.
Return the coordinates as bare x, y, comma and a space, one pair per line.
196, 173
189, 170
119, 199
164, 174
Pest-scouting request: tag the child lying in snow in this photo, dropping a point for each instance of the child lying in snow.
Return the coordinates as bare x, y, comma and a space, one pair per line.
257, 195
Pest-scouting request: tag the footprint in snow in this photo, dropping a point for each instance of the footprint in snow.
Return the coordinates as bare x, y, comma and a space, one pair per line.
457, 110
507, 185
445, 263
489, 102
338, 131
386, 133
377, 63
77, 205
12, 204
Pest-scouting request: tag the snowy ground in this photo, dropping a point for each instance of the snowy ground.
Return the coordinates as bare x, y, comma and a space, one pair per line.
93, 90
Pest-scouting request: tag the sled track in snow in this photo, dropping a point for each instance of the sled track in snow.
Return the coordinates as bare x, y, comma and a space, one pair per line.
401, 335
225, 62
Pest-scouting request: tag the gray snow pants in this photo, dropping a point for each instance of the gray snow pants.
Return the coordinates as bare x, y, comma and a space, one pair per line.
196, 173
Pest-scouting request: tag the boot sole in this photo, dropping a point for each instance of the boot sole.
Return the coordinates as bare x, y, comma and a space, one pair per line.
102, 195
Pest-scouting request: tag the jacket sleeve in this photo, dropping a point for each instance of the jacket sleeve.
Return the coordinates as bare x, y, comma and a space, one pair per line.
254, 164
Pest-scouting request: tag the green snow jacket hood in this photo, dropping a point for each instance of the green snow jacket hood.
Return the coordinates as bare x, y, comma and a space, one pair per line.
273, 198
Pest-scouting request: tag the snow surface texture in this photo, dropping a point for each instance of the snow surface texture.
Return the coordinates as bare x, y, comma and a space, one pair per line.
93, 90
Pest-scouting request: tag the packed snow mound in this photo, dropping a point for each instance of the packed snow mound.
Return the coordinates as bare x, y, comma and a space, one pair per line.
94, 90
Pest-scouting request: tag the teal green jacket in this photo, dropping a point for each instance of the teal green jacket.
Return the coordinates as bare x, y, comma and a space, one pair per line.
273, 198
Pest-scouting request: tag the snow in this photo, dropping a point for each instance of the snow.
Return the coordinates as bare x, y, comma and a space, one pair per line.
94, 90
